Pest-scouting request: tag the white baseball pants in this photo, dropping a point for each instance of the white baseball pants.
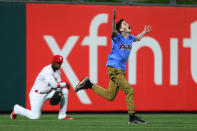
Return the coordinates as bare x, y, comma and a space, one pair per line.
37, 100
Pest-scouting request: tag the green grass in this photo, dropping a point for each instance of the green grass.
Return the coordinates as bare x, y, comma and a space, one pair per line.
100, 122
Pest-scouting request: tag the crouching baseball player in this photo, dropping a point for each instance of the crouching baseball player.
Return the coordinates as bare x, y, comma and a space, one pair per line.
47, 85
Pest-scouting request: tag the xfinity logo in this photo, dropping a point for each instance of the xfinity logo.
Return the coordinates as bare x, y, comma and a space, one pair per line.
94, 41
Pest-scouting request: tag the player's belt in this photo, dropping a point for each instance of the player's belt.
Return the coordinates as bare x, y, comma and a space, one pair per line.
38, 92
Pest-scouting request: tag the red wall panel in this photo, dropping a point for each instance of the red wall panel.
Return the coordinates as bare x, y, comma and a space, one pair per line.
81, 33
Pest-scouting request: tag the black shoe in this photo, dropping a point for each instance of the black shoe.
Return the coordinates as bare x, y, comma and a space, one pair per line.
84, 84
137, 120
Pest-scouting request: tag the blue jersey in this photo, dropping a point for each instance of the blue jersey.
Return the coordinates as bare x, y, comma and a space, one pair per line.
121, 48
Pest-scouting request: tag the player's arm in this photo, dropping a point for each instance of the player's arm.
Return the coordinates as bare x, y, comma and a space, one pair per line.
114, 31
52, 82
146, 30
62, 84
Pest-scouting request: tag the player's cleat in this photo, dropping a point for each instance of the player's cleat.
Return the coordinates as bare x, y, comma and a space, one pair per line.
84, 84
68, 118
13, 115
137, 120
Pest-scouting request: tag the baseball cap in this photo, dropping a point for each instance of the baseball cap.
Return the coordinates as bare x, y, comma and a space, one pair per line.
57, 58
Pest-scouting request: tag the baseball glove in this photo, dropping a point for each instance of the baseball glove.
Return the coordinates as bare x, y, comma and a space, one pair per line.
56, 98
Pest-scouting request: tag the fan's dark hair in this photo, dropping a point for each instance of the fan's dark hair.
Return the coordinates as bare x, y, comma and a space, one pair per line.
118, 25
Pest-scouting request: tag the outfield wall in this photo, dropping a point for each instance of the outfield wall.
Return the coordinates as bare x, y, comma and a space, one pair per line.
162, 66
12, 55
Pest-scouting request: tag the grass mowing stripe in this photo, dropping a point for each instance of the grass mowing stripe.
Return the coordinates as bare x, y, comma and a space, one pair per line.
97, 122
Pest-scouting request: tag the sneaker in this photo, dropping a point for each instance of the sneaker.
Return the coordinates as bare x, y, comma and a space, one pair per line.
84, 84
13, 115
68, 118
137, 120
